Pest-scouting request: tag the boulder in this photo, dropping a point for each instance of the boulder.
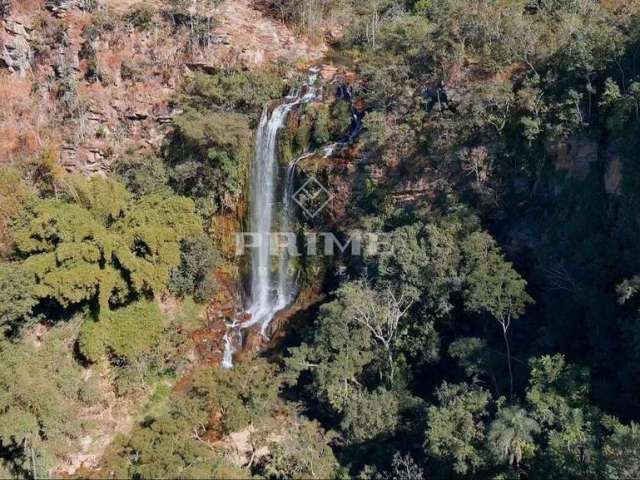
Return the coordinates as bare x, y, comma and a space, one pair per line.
59, 8
5, 8
328, 72
251, 58
613, 172
15, 50
573, 155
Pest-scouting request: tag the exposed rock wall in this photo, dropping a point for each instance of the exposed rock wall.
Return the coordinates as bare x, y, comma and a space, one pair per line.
95, 95
15, 49
574, 155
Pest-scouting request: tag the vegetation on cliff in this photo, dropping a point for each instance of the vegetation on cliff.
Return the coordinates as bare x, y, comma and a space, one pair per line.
499, 340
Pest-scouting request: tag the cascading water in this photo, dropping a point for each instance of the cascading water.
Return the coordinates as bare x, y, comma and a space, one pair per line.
269, 293
273, 291
268, 296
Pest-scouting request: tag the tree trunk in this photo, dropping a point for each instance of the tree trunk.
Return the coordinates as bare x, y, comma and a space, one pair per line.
506, 343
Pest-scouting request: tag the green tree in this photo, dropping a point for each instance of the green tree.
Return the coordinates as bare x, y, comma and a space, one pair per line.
355, 340
208, 155
493, 286
404, 467
194, 274
13, 196
17, 295
476, 358
621, 450
558, 399
42, 391
510, 435
371, 415
104, 248
379, 312
124, 333
243, 396
165, 447
142, 175
302, 452
556, 388
455, 427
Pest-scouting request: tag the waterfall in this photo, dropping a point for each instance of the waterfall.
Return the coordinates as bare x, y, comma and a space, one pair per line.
264, 179
269, 293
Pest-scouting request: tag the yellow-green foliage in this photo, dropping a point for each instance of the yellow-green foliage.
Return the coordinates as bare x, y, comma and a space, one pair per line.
67, 249
227, 131
124, 333
13, 194
42, 391
210, 155
245, 395
106, 200
236, 90
104, 247
152, 231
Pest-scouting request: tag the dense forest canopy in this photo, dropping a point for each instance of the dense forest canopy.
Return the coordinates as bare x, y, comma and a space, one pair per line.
498, 150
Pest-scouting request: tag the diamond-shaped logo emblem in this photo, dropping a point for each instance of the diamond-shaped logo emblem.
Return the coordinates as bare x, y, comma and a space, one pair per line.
312, 197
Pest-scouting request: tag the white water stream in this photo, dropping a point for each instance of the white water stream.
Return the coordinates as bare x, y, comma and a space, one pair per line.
270, 291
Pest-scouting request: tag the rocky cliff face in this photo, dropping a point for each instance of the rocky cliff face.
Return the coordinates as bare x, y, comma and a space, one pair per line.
16, 49
85, 79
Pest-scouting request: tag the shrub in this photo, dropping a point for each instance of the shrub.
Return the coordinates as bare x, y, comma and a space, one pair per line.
13, 194
234, 90
194, 274
140, 16
17, 294
209, 154
341, 118
321, 133
41, 396
123, 334
142, 174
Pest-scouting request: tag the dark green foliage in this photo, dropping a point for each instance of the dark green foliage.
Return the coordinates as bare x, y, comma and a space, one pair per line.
343, 351
622, 450
14, 194
194, 274
17, 297
555, 388
456, 427
511, 434
142, 175
341, 116
321, 133
371, 415
140, 16
303, 452
404, 468
209, 156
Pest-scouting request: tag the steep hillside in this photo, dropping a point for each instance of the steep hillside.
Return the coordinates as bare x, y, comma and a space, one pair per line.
88, 80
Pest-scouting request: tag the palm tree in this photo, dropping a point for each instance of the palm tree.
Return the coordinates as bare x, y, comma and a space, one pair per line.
511, 435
